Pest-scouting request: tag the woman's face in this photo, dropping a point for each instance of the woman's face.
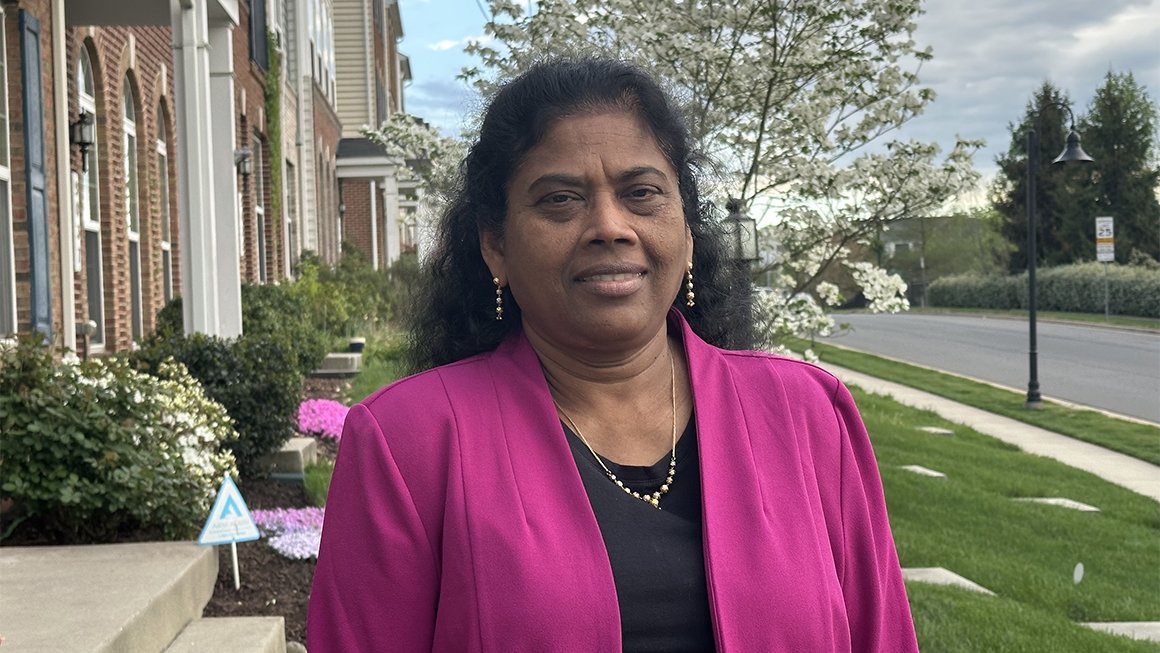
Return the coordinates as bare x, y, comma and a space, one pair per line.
595, 244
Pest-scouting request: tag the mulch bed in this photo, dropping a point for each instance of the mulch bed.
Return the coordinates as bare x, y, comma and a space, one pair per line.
272, 585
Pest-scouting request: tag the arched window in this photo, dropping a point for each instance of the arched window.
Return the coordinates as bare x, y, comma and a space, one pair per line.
90, 208
163, 213
132, 204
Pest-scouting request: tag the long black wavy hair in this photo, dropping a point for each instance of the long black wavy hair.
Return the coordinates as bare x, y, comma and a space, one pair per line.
454, 315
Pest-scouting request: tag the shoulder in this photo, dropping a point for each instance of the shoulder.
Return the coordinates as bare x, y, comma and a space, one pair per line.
428, 395
760, 372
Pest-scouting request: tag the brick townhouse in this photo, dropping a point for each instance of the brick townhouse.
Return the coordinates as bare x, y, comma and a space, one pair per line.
139, 160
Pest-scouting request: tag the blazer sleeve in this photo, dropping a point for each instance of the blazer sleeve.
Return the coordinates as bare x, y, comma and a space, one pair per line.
376, 581
868, 568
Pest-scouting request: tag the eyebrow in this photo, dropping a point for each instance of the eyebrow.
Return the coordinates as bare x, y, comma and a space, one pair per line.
564, 179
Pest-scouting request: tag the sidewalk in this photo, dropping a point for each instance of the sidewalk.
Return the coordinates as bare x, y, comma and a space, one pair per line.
1131, 473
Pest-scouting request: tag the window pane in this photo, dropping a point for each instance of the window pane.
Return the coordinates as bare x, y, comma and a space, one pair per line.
85, 74
127, 101
135, 286
131, 208
94, 287
167, 274
163, 184
90, 198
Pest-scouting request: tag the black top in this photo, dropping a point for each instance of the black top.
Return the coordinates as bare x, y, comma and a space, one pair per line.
658, 563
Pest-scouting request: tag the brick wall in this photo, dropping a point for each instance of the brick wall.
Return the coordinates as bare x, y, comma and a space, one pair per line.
249, 89
356, 219
143, 56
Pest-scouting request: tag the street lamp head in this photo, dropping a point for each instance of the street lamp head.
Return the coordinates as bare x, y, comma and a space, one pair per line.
1073, 151
744, 231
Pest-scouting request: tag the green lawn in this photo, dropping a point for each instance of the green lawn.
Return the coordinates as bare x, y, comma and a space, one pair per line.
1134, 439
967, 522
382, 363
1149, 323
1024, 552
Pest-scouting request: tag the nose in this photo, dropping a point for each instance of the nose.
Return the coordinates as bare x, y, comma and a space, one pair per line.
610, 221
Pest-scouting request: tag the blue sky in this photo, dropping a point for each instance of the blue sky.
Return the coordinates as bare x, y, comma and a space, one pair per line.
989, 56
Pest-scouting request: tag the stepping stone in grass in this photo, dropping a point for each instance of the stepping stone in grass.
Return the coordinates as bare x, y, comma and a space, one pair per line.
937, 430
1146, 630
1061, 502
941, 576
919, 469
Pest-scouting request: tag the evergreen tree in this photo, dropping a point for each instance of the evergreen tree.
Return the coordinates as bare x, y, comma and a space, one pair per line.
1120, 134
1056, 187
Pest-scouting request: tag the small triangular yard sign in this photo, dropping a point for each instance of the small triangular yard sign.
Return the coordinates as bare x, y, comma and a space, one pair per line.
229, 519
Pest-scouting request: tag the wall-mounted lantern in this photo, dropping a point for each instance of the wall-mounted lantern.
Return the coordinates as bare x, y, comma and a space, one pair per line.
244, 161
80, 134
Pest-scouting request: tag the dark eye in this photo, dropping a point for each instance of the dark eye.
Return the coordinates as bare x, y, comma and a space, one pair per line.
642, 192
558, 198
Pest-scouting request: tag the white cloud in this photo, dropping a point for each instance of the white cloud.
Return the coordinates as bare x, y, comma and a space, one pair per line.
445, 44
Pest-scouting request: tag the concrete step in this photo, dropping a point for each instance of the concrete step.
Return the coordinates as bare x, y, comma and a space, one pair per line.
103, 598
289, 462
232, 635
341, 364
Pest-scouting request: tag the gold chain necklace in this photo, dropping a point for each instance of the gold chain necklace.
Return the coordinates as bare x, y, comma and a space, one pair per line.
653, 499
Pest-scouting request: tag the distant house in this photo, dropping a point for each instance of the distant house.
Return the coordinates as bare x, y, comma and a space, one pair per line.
139, 160
375, 194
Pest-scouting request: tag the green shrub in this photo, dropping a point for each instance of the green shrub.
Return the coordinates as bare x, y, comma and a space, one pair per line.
279, 312
317, 481
95, 449
274, 310
1078, 288
256, 377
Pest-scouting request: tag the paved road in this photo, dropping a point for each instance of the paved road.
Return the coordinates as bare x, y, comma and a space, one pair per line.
1112, 369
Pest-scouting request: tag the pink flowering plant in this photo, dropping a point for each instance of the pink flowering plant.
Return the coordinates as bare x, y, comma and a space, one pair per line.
292, 532
323, 417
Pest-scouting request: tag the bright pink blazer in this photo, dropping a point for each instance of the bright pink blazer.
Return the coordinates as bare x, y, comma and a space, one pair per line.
457, 520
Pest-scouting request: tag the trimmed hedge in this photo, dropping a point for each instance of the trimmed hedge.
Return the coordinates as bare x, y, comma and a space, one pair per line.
1078, 288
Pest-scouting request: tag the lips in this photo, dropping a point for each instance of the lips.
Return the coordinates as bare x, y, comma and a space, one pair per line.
610, 273
610, 281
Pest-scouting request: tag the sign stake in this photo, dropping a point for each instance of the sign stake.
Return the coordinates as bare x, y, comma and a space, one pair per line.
234, 554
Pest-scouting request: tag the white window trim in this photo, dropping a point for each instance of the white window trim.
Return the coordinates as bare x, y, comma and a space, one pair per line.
87, 102
164, 214
132, 204
260, 244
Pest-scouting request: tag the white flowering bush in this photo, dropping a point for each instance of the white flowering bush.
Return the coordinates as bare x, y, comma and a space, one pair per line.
94, 450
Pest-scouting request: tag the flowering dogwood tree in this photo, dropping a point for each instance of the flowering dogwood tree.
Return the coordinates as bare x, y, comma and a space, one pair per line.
795, 100
430, 159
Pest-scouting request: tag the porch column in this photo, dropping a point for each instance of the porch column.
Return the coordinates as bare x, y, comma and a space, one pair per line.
390, 218
225, 180
195, 187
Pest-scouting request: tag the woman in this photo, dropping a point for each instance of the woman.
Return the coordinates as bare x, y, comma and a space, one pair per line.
583, 471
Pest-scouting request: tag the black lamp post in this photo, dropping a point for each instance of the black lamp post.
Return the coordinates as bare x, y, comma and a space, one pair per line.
1072, 152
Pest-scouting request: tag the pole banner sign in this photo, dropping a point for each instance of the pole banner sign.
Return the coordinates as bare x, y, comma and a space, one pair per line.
1105, 240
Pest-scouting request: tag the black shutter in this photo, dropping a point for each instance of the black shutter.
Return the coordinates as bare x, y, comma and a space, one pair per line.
37, 203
